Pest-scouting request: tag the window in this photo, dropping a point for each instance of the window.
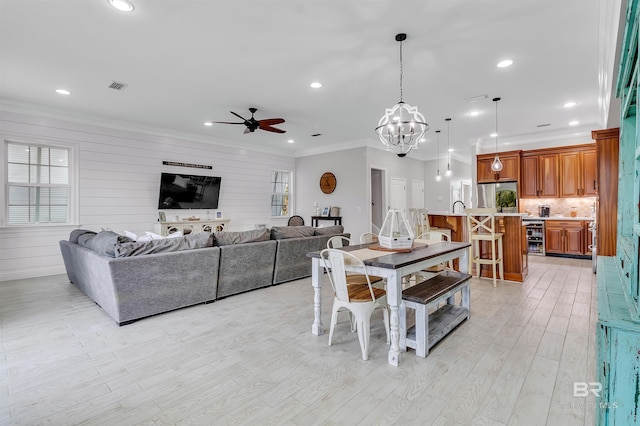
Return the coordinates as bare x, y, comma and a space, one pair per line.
37, 184
280, 193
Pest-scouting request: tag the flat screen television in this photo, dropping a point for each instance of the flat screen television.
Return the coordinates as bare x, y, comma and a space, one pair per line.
183, 191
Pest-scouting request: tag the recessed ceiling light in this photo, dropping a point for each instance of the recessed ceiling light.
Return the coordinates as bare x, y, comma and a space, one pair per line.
290, 141
208, 123
505, 63
316, 85
63, 92
569, 104
474, 113
450, 149
494, 135
574, 123
122, 5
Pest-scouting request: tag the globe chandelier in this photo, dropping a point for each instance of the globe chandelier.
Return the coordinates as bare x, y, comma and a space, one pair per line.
402, 127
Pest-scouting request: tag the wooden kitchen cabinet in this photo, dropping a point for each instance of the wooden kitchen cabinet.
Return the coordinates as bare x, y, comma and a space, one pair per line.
578, 173
539, 175
565, 237
510, 167
590, 173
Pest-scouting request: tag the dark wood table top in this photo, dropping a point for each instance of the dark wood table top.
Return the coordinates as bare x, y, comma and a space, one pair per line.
396, 260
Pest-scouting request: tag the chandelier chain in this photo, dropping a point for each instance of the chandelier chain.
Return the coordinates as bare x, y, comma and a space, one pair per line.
401, 71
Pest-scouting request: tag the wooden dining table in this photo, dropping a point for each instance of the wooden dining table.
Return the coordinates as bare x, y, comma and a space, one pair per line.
391, 265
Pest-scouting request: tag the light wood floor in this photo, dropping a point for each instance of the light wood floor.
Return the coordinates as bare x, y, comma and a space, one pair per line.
251, 359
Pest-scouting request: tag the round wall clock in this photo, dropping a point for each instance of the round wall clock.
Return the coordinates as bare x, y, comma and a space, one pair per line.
328, 182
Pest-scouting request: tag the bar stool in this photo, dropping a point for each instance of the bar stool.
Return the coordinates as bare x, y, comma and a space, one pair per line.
426, 227
481, 224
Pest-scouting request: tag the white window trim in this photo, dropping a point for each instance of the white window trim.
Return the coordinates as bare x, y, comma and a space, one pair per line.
73, 207
291, 178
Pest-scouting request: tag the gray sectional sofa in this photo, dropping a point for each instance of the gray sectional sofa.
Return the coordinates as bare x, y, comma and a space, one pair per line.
132, 280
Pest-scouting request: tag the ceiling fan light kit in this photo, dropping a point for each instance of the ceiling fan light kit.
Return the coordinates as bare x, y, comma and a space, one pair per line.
252, 124
401, 127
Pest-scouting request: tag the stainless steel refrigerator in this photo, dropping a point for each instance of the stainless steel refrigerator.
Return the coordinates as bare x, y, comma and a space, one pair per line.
502, 196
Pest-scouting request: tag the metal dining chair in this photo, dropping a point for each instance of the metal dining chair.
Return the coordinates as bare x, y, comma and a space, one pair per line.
360, 300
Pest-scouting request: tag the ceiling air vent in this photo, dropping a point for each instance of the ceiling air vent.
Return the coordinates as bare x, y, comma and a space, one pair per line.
544, 125
117, 85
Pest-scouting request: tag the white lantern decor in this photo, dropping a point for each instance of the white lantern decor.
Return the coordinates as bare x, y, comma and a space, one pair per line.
396, 233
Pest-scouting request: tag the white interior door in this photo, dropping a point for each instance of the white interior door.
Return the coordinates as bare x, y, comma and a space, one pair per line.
417, 194
398, 198
378, 209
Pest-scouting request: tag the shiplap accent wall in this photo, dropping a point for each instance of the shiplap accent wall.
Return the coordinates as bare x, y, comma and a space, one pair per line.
119, 179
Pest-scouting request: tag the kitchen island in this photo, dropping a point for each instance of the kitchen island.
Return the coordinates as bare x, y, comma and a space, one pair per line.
514, 241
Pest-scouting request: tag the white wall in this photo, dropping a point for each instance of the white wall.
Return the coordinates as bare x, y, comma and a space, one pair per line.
438, 194
119, 179
349, 167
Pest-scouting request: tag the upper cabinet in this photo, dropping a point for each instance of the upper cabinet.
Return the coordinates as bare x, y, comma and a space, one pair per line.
510, 168
578, 175
539, 175
569, 171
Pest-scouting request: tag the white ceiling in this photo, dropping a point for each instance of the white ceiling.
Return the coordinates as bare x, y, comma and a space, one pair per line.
186, 62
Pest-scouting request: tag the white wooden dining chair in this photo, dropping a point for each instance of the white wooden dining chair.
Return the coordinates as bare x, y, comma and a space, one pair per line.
360, 300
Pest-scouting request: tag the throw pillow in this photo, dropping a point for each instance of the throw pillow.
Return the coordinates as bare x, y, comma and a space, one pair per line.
165, 245
154, 236
283, 232
76, 234
254, 235
131, 235
104, 242
329, 230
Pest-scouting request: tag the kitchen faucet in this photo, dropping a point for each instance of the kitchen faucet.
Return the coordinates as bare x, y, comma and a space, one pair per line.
453, 207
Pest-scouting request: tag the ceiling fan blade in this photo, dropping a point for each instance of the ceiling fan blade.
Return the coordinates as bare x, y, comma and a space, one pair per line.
238, 115
271, 129
225, 122
270, 121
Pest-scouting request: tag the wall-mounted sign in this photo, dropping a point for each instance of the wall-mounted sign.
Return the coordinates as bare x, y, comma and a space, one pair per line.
194, 166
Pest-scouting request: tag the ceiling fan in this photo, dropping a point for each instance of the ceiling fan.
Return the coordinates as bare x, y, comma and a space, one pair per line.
253, 124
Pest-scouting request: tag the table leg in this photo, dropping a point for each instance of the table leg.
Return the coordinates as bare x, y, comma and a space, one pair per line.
394, 298
464, 261
316, 281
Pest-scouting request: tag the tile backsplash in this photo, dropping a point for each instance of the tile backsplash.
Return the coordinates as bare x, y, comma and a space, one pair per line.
558, 205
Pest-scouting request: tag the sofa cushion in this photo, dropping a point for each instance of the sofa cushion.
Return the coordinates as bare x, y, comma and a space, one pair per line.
284, 232
187, 242
77, 233
329, 230
252, 236
103, 243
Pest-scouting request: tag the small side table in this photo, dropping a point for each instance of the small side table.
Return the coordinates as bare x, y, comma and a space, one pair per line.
337, 220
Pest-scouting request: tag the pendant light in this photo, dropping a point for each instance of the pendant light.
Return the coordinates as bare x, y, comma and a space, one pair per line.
496, 166
448, 173
402, 127
438, 177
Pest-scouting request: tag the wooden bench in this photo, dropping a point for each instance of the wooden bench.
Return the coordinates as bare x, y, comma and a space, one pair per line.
429, 329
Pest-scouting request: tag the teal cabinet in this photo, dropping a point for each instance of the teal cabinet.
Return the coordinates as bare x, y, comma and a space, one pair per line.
618, 326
